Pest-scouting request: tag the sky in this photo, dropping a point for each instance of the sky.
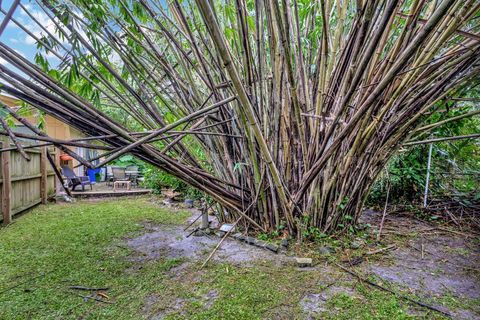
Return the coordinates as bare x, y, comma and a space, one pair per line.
15, 37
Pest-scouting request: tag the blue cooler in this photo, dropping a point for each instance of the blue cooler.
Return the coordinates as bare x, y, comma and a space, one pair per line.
91, 174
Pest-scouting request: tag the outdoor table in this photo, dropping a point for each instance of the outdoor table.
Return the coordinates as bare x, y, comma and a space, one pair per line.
122, 184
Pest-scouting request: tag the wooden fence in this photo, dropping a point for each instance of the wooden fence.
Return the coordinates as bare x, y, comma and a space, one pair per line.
24, 184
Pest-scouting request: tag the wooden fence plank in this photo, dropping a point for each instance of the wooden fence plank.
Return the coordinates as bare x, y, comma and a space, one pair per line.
6, 184
43, 173
24, 184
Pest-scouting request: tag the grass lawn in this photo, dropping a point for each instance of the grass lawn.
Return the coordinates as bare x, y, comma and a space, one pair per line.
56, 246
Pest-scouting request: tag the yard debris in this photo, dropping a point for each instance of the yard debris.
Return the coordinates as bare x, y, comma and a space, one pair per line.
170, 194
304, 262
256, 242
188, 203
88, 288
227, 227
94, 297
392, 246
103, 294
218, 245
97, 293
271, 247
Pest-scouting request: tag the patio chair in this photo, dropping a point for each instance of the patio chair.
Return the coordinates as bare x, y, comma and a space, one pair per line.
118, 174
73, 180
132, 173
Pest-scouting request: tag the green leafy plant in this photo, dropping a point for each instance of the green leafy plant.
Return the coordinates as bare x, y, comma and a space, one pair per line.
157, 180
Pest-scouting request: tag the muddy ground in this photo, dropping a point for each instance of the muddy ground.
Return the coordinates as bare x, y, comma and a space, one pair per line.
431, 260
174, 242
424, 259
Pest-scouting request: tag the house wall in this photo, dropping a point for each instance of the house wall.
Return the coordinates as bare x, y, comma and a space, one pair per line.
9, 101
54, 128
57, 129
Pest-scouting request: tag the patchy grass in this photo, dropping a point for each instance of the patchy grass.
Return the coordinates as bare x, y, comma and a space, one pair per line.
372, 304
56, 246
260, 292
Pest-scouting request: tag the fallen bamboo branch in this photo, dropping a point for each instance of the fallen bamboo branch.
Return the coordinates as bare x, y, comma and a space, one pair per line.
24, 282
469, 136
94, 298
392, 246
384, 213
220, 243
14, 139
88, 288
58, 174
373, 284
195, 220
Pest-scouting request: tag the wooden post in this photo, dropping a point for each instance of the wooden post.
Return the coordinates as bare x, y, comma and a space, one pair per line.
427, 179
6, 185
205, 224
43, 178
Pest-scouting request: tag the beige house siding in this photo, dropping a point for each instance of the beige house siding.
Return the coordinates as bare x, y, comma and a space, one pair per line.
57, 129
9, 101
54, 128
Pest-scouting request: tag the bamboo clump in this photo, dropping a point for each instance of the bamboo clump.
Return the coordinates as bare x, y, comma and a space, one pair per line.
283, 112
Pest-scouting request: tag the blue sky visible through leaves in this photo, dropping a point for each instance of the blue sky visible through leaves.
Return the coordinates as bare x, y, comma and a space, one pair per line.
16, 38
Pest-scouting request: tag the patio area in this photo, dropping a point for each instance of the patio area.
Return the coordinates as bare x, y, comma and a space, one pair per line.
101, 189
110, 181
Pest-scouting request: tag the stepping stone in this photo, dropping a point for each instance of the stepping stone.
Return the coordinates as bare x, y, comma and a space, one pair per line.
272, 247
304, 262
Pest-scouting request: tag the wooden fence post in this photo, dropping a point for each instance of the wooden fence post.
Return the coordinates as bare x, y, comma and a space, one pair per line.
56, 159
6, 184
43, 178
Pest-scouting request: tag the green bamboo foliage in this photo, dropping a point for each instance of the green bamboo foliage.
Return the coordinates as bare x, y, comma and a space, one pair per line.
283, 112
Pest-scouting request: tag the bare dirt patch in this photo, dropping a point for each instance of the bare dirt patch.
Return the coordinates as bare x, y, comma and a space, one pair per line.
163, 241
429, 261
